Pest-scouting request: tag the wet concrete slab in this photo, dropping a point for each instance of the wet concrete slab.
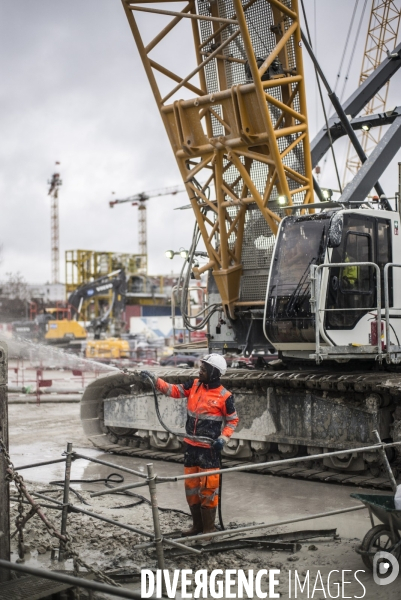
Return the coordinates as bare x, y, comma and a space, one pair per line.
247, 497
251, 497
42, 433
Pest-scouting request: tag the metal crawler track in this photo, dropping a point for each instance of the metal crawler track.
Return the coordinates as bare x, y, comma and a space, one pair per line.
370, 395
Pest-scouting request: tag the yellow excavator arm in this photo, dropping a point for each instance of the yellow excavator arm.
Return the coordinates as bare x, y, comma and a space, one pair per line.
236, 120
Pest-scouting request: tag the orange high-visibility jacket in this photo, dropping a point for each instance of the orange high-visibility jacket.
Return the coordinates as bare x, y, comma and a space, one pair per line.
209, 409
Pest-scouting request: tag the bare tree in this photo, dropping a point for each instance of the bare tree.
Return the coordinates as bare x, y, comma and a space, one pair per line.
16, 287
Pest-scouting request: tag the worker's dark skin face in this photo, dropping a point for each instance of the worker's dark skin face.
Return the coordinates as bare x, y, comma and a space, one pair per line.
203, 376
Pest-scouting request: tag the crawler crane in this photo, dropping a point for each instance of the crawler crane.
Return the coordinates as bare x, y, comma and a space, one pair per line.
315, 281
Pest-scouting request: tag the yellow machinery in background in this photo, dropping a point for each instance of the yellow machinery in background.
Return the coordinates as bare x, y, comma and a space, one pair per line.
107, 349
86, 266
62, 329
53, 326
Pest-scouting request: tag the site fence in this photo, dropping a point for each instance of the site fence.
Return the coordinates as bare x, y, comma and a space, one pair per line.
151, 480
33, 380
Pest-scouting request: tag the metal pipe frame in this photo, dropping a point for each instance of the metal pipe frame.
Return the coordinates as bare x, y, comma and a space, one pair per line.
274, 463
232, 532
152, 480
143, 532
54, 506
66, 497
73, 581
40, 464
158, 540
385, 462
108, 464
226, 134
66, 507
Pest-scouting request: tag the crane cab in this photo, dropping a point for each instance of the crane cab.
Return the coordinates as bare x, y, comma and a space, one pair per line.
333, 287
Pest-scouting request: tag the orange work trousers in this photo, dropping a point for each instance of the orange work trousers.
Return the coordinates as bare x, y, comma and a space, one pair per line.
203, 490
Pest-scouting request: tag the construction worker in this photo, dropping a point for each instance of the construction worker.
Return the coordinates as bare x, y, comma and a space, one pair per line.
350, 275
211, 420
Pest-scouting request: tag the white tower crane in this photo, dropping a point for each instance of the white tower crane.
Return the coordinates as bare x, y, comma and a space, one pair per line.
139, 200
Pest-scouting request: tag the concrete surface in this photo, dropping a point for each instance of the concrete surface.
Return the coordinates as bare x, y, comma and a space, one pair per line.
41, 433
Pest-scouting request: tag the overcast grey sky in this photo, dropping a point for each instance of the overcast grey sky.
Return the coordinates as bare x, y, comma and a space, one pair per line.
74, 90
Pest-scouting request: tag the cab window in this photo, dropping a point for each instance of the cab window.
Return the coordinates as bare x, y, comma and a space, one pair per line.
356, 279
384, 256
351, 289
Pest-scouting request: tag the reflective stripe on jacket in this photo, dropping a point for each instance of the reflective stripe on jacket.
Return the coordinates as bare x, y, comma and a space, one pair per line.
210, 410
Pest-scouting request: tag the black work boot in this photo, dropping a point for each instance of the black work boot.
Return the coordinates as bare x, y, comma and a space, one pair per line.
208, 518
197, 526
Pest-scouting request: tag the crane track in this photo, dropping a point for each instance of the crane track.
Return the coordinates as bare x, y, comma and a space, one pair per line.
383, 384
284, 471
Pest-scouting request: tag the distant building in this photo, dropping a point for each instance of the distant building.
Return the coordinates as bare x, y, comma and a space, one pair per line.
48, 293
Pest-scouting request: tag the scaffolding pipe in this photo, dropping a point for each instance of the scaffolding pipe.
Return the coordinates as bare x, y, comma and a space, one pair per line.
72, 581
131, 528
66, 497
267, 525
245, 467
121, 488
385, 462
40, 464
158, 541
108, 464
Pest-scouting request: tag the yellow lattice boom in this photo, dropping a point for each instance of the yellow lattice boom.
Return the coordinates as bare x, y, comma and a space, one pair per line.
236, 119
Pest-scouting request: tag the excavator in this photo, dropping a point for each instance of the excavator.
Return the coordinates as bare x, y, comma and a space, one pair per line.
110, 347
53, 325
315, 280
59, 325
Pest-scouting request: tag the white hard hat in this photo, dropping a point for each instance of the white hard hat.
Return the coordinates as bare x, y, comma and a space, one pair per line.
217, 361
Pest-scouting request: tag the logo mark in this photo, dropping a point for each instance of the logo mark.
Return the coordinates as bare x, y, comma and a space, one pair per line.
385, 568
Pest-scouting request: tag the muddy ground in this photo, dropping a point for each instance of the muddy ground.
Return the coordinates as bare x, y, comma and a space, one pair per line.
41, 433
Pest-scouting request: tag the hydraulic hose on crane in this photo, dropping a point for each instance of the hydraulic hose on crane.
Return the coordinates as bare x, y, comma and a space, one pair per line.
178, 434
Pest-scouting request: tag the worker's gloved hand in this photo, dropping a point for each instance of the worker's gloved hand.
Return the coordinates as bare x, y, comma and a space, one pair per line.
218, 444
145, 375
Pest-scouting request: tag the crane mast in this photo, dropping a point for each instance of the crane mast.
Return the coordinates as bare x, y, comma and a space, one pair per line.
139, 200
237, 120
384, 24
55, 183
